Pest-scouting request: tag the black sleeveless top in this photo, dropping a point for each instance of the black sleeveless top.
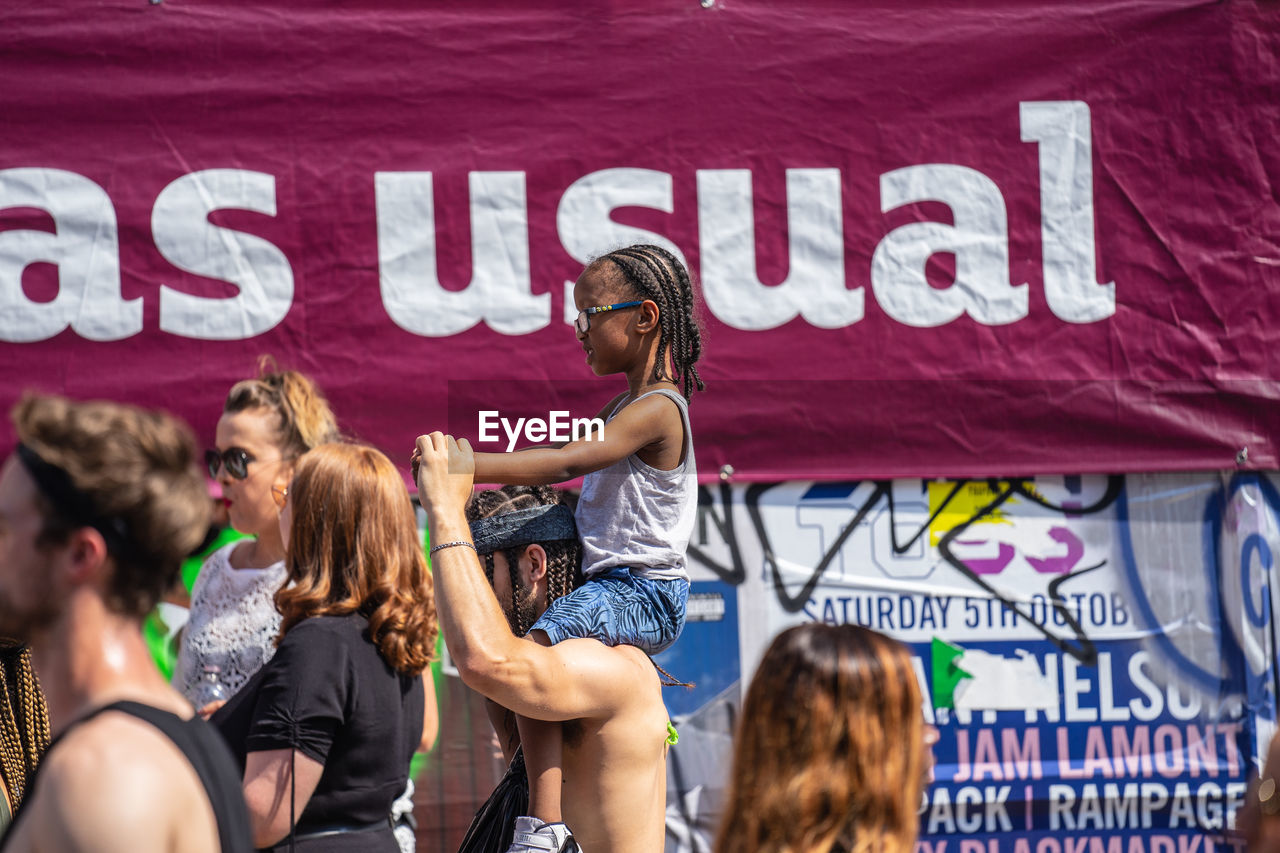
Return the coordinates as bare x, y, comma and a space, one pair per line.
208, 755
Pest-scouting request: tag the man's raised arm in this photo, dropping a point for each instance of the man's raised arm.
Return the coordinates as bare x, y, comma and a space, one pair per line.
571, 680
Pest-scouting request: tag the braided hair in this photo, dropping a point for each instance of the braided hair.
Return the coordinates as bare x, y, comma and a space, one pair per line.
564, 557
654, 273
24, 721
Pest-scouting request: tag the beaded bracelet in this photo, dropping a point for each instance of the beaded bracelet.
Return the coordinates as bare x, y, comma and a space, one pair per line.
442, 545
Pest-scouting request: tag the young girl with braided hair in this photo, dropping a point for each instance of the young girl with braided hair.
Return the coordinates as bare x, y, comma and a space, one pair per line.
636, 317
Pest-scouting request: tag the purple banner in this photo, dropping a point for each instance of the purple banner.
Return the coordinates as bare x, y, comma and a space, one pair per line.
937, 241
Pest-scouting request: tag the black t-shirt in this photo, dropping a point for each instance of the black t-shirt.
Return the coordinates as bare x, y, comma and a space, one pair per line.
328, 693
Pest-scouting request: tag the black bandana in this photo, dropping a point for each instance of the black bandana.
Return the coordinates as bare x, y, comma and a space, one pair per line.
523, 527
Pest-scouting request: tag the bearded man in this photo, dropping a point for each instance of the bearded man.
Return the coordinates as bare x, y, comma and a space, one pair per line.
608, 698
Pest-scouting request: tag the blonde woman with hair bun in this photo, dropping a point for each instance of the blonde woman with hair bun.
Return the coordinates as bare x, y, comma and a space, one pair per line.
268, 423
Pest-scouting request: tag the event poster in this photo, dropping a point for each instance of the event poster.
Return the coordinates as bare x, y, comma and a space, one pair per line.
946, 240
1097, 652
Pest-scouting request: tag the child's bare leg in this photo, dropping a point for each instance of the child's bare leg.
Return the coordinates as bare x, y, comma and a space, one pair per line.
542, 743
504, 728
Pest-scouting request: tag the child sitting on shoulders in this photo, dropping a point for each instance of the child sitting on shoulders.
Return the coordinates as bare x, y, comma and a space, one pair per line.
636, 317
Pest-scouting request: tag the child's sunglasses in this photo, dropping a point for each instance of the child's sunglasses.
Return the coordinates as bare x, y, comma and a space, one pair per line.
583, 321
236, 459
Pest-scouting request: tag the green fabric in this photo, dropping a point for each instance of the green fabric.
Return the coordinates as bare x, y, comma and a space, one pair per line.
191, 565
6, 816
163, 653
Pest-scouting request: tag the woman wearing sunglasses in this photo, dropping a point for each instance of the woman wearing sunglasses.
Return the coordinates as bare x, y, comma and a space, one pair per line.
267, 424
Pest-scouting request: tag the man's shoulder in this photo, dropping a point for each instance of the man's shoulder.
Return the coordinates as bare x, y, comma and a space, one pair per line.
621, 655
627, 664
112, 774
110, 750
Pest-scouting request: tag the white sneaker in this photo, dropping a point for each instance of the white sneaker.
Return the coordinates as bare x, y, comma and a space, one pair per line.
534, 836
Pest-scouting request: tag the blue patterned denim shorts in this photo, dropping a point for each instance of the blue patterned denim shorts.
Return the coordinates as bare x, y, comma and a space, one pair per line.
617, 608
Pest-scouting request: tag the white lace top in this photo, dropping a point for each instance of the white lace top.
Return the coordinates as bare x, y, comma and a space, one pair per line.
233, 622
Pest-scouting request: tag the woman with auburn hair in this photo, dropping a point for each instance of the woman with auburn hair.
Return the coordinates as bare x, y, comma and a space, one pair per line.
326, 729
830, 754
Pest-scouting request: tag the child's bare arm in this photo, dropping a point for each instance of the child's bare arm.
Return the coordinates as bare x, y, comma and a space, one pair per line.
646, 422
602, 415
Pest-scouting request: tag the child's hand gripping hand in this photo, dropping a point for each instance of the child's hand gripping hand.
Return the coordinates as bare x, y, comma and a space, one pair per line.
445, 471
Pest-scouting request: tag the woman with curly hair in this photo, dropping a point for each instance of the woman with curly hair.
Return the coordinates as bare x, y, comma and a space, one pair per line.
831, 754
326, 729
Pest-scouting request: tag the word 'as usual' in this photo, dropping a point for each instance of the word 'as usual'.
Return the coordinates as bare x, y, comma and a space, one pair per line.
84, 246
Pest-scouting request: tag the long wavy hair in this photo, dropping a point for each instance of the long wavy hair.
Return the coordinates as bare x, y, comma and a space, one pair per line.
830, 754
354, 547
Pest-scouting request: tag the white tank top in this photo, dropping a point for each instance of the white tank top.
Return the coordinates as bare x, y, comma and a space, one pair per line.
633, 515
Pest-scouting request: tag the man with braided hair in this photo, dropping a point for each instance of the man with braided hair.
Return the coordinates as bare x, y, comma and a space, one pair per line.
521, 523
525, 536
607, 699
99, 503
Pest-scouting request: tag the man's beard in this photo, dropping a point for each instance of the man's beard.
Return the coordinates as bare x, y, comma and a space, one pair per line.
520, 609
39, 610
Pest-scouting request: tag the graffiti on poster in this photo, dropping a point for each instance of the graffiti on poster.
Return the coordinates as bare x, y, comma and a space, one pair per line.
1096, 651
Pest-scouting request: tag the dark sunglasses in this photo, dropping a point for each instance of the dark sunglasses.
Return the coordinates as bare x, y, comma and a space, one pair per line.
236, 459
